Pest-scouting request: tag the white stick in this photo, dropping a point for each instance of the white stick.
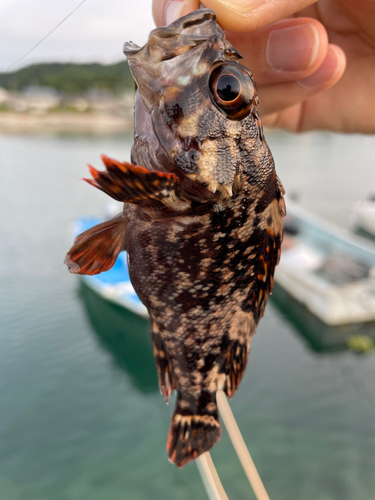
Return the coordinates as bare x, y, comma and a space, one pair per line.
240, 447
210, 477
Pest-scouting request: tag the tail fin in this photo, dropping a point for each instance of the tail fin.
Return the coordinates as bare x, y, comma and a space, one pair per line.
191, 434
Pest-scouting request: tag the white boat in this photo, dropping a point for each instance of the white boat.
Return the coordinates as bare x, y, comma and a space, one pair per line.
363, 216
327, 269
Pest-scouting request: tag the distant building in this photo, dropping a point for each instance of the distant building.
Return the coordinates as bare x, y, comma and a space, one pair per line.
40, 98
98, 95
40, 91
4, 95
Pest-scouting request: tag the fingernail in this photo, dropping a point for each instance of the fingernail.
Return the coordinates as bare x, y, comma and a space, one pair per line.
326, 71
292, 49
173, 11
241, 6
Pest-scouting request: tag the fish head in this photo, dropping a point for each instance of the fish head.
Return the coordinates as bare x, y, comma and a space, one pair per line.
195, 107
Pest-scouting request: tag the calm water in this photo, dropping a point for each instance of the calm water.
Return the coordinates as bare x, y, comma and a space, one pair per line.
80, 413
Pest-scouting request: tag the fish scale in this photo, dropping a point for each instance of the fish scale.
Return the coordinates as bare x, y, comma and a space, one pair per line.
202, 219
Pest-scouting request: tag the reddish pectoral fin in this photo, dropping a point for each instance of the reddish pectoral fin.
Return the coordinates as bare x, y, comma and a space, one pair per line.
97, 249
133, 184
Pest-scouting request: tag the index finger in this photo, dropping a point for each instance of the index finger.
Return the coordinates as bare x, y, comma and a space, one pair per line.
238, 16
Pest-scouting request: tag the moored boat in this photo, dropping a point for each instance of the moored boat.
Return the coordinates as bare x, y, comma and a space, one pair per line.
327, 269
362, 218
318, 336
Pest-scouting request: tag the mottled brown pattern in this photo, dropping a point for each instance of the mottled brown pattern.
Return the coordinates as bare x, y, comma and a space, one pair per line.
203, 219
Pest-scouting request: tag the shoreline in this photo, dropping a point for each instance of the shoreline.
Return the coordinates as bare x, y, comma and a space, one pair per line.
92, 123
58, 123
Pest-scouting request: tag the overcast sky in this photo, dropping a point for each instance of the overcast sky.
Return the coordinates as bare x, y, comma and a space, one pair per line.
95, 32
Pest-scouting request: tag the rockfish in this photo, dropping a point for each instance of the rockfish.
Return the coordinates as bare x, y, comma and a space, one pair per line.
202, 219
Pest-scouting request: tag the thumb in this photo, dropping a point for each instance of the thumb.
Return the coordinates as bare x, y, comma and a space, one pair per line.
232, 15
167, 11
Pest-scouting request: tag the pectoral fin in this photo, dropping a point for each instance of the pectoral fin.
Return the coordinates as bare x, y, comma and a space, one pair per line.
134, 184
96, 250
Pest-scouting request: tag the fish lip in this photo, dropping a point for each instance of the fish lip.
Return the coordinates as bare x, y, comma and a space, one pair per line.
131, 48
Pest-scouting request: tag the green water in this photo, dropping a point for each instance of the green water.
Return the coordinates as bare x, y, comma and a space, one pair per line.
80, 413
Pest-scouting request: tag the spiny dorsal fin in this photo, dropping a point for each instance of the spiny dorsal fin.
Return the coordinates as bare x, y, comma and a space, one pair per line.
134, 184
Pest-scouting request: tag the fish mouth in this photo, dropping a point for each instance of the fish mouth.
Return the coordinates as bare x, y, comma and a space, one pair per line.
173, 58
131, 48
166, 33
183, 34
156, 148
171, 52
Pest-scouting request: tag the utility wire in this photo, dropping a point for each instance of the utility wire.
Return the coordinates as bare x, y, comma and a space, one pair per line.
48, 34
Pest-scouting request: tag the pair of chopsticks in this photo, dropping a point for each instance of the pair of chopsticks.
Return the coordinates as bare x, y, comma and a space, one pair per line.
206, 467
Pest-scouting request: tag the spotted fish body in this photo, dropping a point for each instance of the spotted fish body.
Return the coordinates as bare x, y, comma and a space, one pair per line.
202, 220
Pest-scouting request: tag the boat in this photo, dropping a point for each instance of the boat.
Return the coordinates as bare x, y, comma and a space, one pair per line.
362, 217
316, 335
124, 335
327, 269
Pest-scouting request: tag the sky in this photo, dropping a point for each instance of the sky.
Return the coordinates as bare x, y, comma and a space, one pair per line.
95, 32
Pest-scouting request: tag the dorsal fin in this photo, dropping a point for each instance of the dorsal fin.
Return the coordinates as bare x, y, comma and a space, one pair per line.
134, 184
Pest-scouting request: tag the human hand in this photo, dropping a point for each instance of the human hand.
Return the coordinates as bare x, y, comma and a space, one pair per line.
314, 62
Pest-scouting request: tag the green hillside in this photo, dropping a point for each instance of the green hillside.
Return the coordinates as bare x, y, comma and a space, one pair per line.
71, 78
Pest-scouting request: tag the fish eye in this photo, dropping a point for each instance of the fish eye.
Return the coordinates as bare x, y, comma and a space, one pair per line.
231, 89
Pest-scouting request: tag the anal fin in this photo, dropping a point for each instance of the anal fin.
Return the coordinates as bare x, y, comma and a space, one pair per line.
236, 361
134, 184
281, 193
166, 382
96, 250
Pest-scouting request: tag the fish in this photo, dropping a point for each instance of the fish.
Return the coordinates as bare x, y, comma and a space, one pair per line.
202, 219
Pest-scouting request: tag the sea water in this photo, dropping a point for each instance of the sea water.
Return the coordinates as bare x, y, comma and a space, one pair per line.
80, 413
